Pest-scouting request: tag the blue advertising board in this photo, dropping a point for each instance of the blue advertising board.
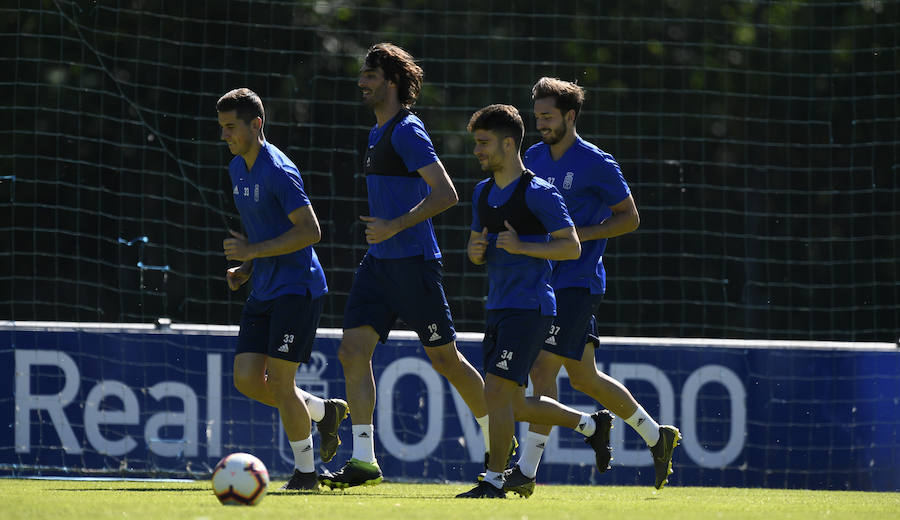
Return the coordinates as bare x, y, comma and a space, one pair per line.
137, 400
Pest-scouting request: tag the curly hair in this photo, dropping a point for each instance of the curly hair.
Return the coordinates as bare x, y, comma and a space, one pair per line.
503, 120
399, 67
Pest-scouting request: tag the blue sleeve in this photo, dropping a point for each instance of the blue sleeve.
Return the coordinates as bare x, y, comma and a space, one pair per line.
287, 186
549, 207
413, 144
611, 186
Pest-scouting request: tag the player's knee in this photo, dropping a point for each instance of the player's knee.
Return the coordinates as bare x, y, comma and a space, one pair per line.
582, 379
591, 382
445, 363
499, 392
524, 408
543, 382
281, 386
351, 355
245, 383
579, 384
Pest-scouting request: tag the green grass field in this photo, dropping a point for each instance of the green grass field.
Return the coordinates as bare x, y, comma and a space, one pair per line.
60, 499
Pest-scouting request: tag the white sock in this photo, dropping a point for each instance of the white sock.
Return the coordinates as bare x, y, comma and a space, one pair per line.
315, 404
532, 449
586, 426
304, 455
485, 432
364, 442
644, 425
493, 478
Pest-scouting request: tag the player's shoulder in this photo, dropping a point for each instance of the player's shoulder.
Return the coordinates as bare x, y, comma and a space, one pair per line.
275, 159
481, 184
270, 155
410, 128
538, 149
235, 163
479, 187
584, 147
589, 153
543, 195
539, 184
410, 121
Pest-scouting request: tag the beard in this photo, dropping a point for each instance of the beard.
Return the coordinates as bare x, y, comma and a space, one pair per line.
555, 135
490, 166
376, 97
370, 101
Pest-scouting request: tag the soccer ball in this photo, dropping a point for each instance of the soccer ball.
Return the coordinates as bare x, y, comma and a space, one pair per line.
240, 479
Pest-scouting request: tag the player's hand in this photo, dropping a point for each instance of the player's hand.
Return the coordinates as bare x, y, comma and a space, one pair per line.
237, 276
509, 240
478, 247
237, 247
377, 229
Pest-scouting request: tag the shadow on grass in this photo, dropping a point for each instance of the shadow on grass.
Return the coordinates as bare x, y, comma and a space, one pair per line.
138, 490
275, 493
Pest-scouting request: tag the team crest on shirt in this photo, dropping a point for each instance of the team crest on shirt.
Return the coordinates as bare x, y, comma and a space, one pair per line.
567, 182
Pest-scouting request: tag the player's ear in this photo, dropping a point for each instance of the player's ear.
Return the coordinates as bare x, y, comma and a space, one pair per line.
256, 124
509, 144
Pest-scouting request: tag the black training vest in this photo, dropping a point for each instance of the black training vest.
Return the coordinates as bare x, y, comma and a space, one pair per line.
515, 210
382, 159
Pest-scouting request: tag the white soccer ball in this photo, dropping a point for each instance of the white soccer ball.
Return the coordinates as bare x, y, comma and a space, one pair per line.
240, 479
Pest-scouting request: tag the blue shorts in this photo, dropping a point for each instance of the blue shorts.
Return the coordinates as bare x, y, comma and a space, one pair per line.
512, 341
283, 328
575, 325
410, 288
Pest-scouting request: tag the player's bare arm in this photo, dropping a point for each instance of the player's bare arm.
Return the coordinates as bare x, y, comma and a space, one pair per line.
624, 219
563, 244
477, 247
443, 196
305, 232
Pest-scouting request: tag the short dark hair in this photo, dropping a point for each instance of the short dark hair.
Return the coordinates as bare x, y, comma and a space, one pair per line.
243, 101
569, 96
399, 67
504, 120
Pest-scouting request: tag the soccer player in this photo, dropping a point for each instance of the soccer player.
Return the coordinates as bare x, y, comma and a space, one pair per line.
601, 205
401, 274
519, 224
279, 319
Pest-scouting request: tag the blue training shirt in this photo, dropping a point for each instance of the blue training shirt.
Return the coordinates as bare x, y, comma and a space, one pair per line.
264, 197
390, 196
590, 181
520, 281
